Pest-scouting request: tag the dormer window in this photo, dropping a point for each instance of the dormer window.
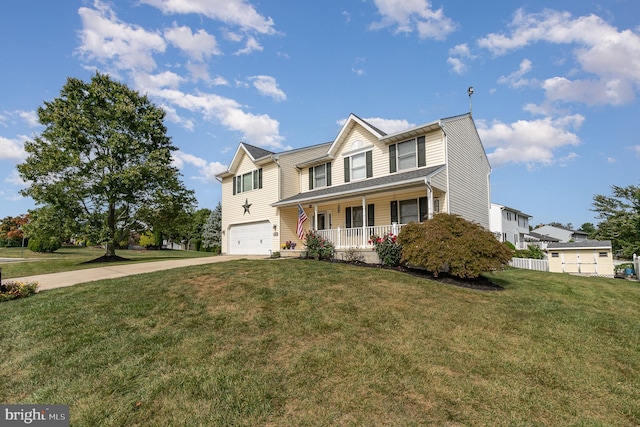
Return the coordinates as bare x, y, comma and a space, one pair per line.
358, 166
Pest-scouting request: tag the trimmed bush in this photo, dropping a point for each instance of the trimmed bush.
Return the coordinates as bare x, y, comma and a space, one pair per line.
317, 247
388, 249
50, 244
450, 244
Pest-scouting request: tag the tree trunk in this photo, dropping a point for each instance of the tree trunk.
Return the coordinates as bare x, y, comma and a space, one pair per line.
111, 225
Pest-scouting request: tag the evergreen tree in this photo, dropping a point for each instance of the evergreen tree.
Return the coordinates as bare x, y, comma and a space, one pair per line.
212, 232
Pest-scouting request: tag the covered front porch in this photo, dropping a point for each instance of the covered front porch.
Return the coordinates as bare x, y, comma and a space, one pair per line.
348, 216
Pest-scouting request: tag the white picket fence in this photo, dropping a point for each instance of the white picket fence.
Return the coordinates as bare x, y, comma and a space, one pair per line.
530, 264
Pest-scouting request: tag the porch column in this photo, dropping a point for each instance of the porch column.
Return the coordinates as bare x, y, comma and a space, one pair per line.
315, 216
364, 221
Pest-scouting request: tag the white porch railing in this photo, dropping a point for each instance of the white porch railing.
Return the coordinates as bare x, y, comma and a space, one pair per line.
352, 237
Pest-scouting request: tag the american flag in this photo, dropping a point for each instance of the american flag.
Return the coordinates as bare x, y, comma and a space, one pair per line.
302, 217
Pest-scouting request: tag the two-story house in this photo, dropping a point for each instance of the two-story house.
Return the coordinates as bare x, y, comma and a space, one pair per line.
363, 183
509, 225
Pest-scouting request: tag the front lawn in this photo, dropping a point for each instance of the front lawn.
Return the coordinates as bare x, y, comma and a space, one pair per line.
75, 258
293, 342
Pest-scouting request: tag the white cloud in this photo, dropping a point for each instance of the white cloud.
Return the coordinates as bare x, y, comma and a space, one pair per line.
516, 79
232, 12
252, 45
268, 86
106, 39
635, 149
414, 15
30, 117
457, 56
173, 116
15, 179
388, 126
152, 82
530, 142
261, 129
12, 149
197, 46
208, 170
609, 58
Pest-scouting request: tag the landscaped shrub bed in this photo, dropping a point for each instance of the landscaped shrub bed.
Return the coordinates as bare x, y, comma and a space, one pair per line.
13, 290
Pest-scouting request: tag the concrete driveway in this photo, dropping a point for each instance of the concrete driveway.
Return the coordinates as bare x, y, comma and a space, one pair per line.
70, 278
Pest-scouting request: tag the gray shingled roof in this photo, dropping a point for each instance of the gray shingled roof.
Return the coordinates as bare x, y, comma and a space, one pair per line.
362, 186
583, 244
257, 152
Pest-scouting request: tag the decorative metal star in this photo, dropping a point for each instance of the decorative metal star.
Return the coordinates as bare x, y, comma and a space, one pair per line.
246, 207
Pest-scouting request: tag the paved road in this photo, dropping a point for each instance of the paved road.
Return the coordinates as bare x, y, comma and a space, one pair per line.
69, 278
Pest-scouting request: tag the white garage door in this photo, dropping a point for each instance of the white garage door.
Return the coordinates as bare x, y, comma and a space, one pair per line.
250, 239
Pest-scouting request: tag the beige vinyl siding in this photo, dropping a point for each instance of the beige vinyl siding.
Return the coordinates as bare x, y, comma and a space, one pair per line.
468, 170
294, 182
357, 133
260, 199
434, 148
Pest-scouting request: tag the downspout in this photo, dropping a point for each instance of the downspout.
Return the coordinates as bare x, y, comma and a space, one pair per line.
427, 181
446, 156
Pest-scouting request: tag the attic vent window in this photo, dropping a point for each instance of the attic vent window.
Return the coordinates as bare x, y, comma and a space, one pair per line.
357, 144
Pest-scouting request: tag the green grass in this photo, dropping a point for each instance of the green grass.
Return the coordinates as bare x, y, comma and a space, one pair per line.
292, 342
75, 258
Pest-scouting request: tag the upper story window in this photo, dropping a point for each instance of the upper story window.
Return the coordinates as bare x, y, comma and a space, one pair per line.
407, 155
320, 176
247, 182
358, 166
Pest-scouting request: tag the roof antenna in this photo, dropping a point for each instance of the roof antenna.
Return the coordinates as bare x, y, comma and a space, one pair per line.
470, 92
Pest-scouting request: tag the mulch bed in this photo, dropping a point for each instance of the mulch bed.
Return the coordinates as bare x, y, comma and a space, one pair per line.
479, 283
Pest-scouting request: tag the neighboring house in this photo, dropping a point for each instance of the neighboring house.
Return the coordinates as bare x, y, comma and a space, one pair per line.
363, 183
562, 234
539, 240
509, 225
588, 257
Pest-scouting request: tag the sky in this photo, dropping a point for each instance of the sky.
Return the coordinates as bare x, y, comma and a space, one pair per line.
555, 99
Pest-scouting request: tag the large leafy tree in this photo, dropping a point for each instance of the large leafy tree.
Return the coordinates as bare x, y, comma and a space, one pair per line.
620, 214
104, 154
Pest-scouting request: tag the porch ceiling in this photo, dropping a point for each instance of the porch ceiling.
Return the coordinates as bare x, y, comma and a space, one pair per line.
365, 186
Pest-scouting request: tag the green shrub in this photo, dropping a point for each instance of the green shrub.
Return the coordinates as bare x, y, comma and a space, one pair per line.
46, 244
13, 290
509, 245
317, 247
388, 249
532, 251
451, 244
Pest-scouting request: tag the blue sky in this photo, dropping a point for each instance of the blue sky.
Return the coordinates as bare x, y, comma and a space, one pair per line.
556, 83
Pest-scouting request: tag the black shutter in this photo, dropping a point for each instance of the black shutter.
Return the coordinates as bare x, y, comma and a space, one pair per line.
234, 185
310, 178
328, 174
392, 159
346, 170
369, 158
370, 215
422, 155
423, 209
394, 211
347, 220
260, 178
